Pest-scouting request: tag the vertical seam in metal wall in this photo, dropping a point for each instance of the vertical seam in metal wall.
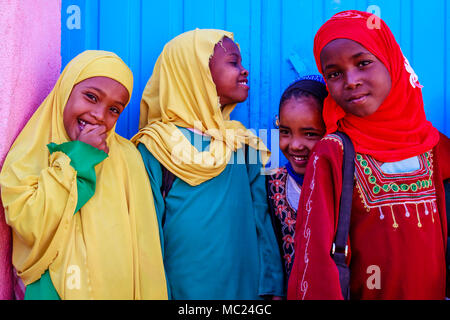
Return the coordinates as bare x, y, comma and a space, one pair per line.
91, 28
141, 89
249, 51
324, 17
261, 26
130, 53
281, 57
140, 37
98, 23
251, 65
271, 50
225, 27
139, 58
400, 35
411, 26
446, 47
182, 16
140, 43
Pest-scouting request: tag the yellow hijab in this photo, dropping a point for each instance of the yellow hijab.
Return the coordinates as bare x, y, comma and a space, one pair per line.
181, 92
110, 249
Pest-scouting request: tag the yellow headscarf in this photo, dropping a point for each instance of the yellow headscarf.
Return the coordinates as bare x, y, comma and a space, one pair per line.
181, 92
110, 249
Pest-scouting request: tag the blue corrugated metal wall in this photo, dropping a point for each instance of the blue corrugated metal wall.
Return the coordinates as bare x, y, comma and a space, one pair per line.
276, 39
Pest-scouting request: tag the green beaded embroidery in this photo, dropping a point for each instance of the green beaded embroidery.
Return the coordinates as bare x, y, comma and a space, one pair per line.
393, 186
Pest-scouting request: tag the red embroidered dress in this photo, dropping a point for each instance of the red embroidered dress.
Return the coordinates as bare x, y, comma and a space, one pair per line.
397, 231
284, 212
398, 228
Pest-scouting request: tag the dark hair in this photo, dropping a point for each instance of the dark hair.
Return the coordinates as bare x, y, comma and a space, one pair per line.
307, 86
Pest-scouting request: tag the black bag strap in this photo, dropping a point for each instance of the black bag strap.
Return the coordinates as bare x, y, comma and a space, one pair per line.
340, 249
167, 181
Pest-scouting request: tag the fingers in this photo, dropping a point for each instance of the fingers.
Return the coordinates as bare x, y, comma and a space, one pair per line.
94, 135
104, 147
95, 129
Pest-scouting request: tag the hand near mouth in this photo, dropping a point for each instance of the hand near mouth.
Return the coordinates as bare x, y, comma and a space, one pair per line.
94, 135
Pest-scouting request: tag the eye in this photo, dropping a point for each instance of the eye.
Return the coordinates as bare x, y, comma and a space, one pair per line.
364, 63
91, 96
115, 110
284, 131
312, 135
333, 75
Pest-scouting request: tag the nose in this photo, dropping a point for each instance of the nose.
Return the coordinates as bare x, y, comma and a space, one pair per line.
352, 80
98, 113
297, 145
244, 72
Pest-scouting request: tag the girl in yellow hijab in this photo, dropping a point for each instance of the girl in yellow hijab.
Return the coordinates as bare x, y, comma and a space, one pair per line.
76, 195
218, 241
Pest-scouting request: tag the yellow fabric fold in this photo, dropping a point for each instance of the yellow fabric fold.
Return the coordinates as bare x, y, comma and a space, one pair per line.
110, 249
181, 92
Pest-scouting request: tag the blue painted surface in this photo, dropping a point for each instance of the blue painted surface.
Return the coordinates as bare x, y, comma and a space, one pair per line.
276, 40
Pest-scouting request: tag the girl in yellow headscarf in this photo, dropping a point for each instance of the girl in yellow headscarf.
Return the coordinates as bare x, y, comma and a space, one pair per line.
218, 241
76, 195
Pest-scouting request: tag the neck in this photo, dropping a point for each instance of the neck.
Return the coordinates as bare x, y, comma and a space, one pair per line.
297, 177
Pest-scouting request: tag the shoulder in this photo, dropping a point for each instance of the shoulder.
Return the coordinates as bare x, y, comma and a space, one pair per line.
127, 150
327, 155
442, 149
146, 155
133, 153
124, 143
441, 154
333, 140
330, 145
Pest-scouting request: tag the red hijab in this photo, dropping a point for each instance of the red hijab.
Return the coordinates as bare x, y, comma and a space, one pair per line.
398, 129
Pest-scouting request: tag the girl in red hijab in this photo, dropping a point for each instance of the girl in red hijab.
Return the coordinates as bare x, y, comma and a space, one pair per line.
398, 234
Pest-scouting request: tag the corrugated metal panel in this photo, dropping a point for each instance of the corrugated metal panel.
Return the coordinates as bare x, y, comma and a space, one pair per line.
276, 39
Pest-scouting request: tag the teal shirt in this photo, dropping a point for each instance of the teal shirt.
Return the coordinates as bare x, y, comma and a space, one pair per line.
83, 158
217, 238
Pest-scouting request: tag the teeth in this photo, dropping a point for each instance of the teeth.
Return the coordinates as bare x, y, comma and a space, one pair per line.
82, 124
299, 158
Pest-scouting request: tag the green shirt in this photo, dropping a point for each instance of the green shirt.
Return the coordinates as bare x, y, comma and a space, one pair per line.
217, 238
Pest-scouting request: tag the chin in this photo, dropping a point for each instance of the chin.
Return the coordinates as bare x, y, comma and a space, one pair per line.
300, 171
240, 99
243, 96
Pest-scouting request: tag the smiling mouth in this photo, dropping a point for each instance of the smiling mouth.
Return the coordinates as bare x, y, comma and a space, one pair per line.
82, 124
244, 83
299, 158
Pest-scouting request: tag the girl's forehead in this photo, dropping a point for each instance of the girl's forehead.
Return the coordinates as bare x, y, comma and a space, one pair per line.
226, 45
305, 102
100, 82
340, 50
342, 45
348, 49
